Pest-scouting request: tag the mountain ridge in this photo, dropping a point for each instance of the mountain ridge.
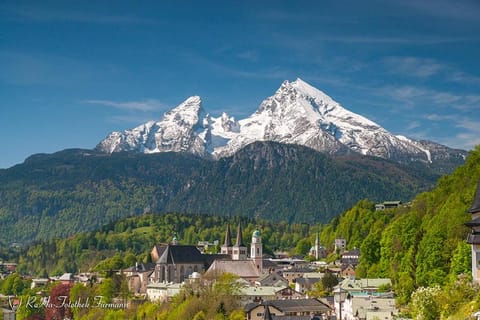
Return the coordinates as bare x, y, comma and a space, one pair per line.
55, 195
297, 113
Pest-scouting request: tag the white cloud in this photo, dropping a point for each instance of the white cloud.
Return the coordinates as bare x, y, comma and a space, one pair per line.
468, 131
413, 96
144, 105
42, 14
413, 66
460, 10
438, 117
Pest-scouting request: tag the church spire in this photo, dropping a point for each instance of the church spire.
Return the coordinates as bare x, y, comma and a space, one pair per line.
239, 249
228, 237
239, 236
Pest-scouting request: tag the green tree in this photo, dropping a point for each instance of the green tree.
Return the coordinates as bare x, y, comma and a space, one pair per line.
461, 261
426, 303
318, 290
81, 294
303, 247
13, 284
129, 260
106, 290
329, 281
457, 294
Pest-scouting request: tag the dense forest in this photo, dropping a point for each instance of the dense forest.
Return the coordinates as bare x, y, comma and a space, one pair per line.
72, 191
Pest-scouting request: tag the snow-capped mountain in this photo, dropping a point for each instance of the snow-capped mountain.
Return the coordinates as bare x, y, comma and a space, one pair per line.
296, 114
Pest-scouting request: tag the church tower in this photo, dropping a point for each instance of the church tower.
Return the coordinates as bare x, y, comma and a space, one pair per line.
239, 249
317, 248
256, 249
474, 237
227, 247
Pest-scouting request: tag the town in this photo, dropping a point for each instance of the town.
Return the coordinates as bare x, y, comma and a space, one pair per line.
267, 287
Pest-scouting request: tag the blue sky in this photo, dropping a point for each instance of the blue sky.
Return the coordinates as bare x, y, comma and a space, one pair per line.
73, 71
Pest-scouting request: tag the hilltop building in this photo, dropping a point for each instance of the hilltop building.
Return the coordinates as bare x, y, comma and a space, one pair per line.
474, 237
387, 205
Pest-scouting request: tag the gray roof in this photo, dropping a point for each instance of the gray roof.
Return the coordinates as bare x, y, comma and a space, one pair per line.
473, 238
476, 201
307, 281
295, 305
171, 254
271, 278
269, 264
242, 268
473, 223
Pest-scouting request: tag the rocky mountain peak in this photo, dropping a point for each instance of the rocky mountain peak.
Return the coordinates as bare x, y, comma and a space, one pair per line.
297, 113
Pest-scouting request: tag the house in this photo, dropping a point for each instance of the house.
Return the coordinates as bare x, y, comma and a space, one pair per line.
369, 307
294, 307
67, 278
204, 246
292, 274
387, 205
256, 294
362, 287
39, 282
350, 257
473, 238
303, 285
162, 292
348, 271
272, 279
138, 276
288, 293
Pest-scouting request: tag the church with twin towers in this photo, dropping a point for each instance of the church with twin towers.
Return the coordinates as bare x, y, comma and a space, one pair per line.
238, 251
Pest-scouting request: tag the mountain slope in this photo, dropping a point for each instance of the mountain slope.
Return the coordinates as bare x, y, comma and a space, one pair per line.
422, 244
76, 190
296, 114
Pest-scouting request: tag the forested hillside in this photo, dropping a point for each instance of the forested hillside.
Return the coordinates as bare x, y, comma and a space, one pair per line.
121, 244
422, 244
59, 195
